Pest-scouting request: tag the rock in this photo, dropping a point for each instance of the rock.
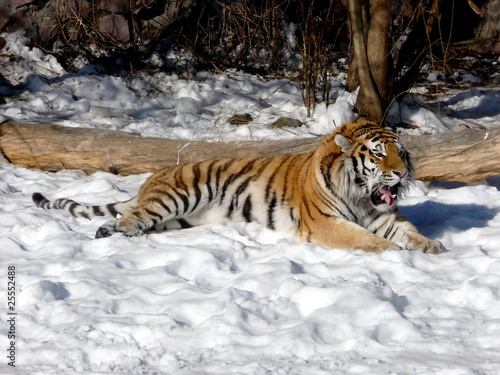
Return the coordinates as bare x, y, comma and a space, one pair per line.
288, 122
240, 119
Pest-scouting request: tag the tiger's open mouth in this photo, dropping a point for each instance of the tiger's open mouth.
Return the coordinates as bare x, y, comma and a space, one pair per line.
385, 194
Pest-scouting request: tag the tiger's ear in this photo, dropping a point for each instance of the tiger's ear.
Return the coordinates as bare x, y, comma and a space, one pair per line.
343, 142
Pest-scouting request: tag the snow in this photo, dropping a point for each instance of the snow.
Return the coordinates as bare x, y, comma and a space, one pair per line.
238, 299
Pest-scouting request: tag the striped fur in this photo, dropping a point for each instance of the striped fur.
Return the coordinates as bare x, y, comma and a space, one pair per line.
341, 195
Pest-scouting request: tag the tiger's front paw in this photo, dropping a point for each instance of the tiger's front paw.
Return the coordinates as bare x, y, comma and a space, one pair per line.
427, 246
433, 247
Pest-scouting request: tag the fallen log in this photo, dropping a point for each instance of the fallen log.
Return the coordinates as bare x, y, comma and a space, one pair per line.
464, 155
53, 148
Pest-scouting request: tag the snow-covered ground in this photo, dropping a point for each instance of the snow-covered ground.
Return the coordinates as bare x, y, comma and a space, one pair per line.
238, 299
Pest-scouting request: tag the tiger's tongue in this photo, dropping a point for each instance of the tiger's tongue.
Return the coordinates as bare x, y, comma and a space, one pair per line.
386, 195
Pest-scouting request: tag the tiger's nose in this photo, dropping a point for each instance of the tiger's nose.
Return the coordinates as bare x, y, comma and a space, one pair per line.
400, 172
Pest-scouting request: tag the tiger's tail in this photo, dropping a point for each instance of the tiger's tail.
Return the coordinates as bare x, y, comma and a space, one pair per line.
80, 210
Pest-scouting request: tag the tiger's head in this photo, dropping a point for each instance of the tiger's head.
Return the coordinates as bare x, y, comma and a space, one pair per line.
376, 166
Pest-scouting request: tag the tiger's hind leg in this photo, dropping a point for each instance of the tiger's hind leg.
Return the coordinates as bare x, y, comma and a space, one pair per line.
106, 230
130, 225
160, 202
142, 219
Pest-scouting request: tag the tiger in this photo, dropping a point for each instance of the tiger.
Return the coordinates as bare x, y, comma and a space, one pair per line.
341, 195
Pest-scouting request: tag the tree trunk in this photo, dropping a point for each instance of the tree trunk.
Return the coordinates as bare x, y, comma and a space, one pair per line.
353, 74
371, 65
379, 49
369, 102
464, 155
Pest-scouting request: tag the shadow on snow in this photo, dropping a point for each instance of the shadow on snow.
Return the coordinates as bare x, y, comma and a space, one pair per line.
433, 219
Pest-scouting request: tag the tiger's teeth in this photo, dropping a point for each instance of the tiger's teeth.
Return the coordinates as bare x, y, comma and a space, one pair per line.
383, 197
394, 195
